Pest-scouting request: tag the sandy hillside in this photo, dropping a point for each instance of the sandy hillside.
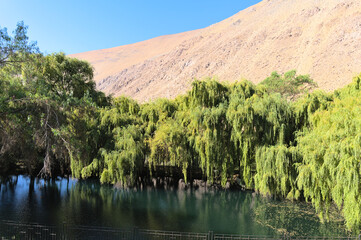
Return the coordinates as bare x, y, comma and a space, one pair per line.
317, 37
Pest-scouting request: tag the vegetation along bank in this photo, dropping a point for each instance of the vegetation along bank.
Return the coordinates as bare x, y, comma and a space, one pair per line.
276, 139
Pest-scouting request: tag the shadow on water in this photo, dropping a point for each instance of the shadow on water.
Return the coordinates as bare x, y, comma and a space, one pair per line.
89, 203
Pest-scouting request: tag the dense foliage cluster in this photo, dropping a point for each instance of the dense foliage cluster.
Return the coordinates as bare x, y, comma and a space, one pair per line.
48, 108
53, 122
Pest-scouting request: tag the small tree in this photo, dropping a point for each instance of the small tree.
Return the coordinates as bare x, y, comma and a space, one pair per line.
289, 85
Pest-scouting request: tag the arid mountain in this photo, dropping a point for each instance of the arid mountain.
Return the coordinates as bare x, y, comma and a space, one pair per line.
317, 37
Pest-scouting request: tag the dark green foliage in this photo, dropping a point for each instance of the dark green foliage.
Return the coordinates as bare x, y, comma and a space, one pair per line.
207, 93
48, 108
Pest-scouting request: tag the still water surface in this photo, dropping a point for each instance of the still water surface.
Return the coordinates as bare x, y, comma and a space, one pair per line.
89, 203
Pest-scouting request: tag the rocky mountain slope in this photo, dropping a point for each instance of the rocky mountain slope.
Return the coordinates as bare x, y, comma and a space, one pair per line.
317, 37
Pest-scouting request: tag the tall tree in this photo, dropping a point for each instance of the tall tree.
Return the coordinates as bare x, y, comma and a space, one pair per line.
16, 49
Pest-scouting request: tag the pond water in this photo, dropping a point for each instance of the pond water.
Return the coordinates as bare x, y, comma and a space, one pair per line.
89, 203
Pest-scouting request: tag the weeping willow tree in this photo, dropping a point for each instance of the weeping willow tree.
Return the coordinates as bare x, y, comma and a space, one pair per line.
276, 172
305, 107
123, 164
154, 114
170, 147
208, 130
209, 134
258, 120
274, 156
207, 93
230, 129
122, 155
330, 169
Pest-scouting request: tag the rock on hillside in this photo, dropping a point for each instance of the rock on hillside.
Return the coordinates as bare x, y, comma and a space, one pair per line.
317, 37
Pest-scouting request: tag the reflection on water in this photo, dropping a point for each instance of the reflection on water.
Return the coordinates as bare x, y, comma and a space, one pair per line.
89, 203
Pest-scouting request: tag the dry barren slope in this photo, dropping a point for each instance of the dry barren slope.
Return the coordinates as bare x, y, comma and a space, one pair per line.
317, 37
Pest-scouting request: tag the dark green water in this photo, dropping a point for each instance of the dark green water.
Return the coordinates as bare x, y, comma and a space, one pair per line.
89, 203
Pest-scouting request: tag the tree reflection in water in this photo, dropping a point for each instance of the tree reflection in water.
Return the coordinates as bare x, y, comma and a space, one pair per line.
89, 203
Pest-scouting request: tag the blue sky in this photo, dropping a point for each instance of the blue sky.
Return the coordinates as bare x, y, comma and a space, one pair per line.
74, 26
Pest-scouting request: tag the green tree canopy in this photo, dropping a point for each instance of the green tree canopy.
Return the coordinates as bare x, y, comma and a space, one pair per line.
289, 85
16, 49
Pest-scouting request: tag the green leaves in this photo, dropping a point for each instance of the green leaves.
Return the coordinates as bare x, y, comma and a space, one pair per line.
127, 157
289, 85
276, 171
309, 149
170, 146
207, 93
47, 105
15, 50
66, 77
330, 170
